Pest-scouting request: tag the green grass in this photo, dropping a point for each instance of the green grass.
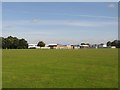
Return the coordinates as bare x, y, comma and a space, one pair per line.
84, 68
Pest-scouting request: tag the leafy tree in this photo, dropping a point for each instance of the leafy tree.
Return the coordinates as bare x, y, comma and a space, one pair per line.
41, 44
118, 45
102, 44
0, 42
115, 43
3, 43
14, 43
87, 44
82, 43
22, 44
6, 43
108, 43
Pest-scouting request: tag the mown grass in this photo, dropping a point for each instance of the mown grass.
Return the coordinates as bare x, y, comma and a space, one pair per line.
84, 68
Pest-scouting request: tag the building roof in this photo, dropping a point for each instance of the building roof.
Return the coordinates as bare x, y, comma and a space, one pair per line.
32, 44
52, 44
84, 45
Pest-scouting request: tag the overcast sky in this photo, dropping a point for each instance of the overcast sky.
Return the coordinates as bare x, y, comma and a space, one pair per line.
67, 23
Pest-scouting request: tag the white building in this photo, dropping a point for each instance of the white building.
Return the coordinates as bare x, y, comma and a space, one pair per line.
33, 46
45, 47
59, 46
84, 46
113, 47
104, 46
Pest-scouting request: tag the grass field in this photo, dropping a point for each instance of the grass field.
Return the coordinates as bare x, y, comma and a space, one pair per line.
84, 68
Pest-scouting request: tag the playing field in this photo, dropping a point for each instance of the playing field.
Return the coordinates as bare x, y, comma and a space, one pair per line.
83, 68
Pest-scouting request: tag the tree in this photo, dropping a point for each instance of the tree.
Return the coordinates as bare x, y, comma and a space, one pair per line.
108, 43
4, 43
41, 44
0, 42
14, 43
102, 44
22, 44
82, 43
118, 45
88, 44
115, 43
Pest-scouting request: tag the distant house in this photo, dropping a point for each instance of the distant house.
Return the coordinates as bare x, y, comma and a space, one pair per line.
52, 46
84, 46
102, 46
59, 46
45, 47
113, 47
75, 46
94, 46
33, 46
69, 46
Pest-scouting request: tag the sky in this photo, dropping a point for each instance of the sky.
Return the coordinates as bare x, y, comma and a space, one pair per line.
61, 22
0, 19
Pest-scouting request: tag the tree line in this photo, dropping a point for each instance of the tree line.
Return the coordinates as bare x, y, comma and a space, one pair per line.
15, 43
115, 43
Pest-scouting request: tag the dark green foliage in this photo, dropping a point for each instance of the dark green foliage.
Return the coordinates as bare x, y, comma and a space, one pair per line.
23, 44
14, 43
41, 44
83, 44
115, 43
0, 42
118, 44
108, 43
